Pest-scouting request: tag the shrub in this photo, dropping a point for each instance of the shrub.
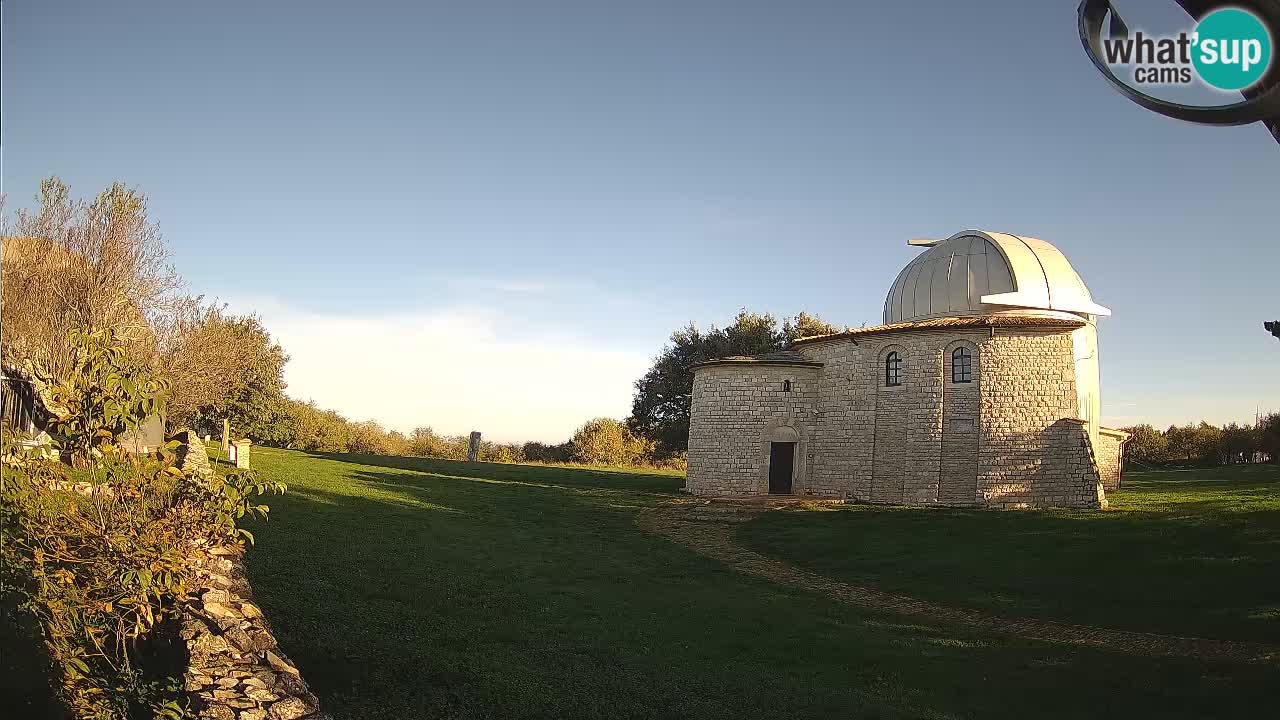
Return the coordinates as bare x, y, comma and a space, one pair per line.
101, 557
605, 441
1145, 445
104, 396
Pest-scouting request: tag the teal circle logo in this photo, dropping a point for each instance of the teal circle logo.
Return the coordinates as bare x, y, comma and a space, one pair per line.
1232, 49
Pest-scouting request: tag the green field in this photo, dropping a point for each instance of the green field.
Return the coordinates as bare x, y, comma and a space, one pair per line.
1180, 552
413, 588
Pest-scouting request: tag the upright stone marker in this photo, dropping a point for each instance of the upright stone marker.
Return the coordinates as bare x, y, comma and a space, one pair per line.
226, 435
473, 450
240, 454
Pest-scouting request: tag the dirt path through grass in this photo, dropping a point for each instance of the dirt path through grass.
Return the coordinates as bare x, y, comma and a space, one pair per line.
708, 529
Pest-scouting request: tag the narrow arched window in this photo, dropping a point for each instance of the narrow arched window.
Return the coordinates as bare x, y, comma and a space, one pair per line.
961, 365
893, 370
786, 386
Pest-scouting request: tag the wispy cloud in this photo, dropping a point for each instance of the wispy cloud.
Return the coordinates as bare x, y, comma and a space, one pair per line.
455, 368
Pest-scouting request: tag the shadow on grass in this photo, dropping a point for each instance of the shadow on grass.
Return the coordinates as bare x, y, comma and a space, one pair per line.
1188, 557
643, 480
422, 588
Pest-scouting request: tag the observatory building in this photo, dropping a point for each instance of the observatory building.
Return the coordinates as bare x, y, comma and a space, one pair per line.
980, 389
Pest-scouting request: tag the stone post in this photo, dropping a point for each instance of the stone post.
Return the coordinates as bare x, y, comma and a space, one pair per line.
240, 453
473, 449
226, 435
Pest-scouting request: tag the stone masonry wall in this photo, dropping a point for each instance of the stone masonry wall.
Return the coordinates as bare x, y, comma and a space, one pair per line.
961, 429
882, 444
999, 441
1028, 457
734, 409
1110, 454
839, 461
235, 668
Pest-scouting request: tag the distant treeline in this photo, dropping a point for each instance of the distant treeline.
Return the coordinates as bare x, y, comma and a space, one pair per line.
101, 264
1205, 444
303, 426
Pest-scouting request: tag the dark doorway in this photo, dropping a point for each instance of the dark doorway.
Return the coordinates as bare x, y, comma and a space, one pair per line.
782, 459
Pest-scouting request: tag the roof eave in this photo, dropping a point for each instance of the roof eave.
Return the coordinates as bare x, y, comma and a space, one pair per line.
773, 363
933, 325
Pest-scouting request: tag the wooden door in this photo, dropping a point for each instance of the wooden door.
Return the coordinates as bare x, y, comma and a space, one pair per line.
782, 458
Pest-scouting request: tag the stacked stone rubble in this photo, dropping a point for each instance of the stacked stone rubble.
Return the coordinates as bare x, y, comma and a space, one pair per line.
193, 459
236, 670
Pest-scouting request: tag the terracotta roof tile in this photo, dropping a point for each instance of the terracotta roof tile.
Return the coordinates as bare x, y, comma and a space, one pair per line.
949, 323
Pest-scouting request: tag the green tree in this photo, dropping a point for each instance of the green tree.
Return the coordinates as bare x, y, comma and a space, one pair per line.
661, 404
227, 367
1269, 436
1145, 445
1239, 443
541, 452
806, 325
1194, 442
605, 441
104, 396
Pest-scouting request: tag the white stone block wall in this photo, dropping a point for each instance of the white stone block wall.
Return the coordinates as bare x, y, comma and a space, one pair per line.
735, 408
1110, 454
1011, 438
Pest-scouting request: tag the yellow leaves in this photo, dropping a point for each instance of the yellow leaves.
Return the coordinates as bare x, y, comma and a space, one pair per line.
108, 568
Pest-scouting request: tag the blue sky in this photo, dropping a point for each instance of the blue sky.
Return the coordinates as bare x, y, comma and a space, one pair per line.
490, 215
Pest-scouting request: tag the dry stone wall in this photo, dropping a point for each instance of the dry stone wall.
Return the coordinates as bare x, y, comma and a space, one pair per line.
998, 441
235, 669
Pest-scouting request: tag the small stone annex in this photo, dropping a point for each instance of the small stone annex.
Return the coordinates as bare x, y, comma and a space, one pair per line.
980, 388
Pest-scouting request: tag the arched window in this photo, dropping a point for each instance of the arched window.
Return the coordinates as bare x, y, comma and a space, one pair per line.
961, 365
893, 370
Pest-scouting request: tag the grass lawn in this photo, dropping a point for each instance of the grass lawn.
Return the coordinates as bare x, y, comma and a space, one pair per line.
413, 588
1180, 552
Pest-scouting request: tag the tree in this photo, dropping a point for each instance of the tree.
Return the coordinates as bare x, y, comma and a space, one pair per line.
1145, 445
661, 404
806, 325
103, 397
307, 427
224, 367
1193, 442
541, 452
605, 441
97, 265
1239, 443
1269, 436
1273, 328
